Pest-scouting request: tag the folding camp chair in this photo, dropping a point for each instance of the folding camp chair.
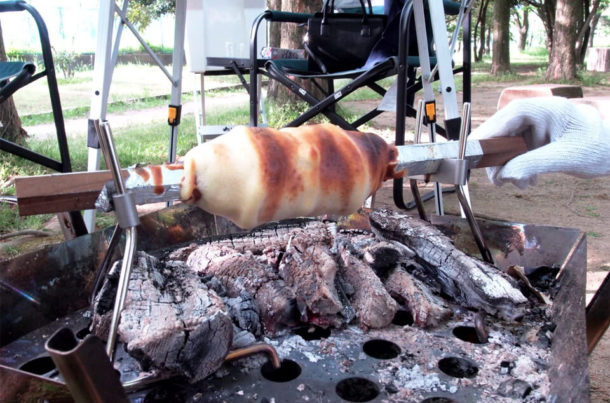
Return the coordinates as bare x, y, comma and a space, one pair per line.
424, 19
17, 74
286, 70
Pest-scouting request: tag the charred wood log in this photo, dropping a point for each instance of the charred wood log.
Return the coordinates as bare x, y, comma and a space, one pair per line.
427, 309
375, 307
172, 322
310, 271
467, 280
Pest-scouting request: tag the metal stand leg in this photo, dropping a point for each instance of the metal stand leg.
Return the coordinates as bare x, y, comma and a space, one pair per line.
105, 59
419, 120
177, 58
461, 191
127, 217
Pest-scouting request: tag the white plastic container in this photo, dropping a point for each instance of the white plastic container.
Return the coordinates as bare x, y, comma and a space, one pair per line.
220, 28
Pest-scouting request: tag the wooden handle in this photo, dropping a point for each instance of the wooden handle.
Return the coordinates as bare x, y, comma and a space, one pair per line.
498, 151
60, 192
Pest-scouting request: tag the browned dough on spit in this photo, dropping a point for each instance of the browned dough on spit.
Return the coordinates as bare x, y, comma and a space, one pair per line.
253, 175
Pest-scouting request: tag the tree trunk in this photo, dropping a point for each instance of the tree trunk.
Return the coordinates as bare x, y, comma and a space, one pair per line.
487, 49
483, 20
546, 12
524, 29
500, 53
291, 37
10, 128
562, 63
593, 27
585, 31
275, 34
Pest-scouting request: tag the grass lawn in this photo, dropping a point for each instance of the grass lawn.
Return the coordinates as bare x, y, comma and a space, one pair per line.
133, 86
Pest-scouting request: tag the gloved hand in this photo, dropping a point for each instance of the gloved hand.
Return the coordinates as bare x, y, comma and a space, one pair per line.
561, 136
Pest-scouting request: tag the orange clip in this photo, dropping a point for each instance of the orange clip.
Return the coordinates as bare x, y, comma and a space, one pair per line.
431, 111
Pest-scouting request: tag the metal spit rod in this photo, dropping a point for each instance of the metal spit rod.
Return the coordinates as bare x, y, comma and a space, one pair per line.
460, 188
127, 217
419, 121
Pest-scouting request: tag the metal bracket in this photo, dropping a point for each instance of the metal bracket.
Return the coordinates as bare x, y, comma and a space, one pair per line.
452, 171
126, 213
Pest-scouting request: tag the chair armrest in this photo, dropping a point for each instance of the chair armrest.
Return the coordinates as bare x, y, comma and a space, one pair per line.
285, 16
11, 6
452, 7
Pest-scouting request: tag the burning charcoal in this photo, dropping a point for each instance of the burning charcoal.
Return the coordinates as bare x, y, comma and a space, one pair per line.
469, 281
385, 256
104, 302
277, 237
181, 254
427, 309
237, 271
277, 305
172, 322
242, 338
375, 307
244, 311
242, 274
343, 290
514, 388
310, 272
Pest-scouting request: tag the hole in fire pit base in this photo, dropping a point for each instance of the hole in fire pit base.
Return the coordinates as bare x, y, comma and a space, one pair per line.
39, 366
439, 399
81, 334
467, 333
357, 389
381, 349
165, 394
403, 318
313, 332
458, 367
288, 371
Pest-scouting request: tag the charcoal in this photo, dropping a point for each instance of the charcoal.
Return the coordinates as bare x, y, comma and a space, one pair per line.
172, 322
242, 275
375, 307
467, 280
384, 256
277, 305
276, 237
514, 388
310, 272
244, 312
427, 309
238, 272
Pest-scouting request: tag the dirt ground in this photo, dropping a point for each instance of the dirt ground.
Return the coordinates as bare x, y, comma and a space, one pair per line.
557, 200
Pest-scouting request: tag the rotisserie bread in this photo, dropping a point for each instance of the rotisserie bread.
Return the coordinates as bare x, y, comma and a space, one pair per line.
254, 175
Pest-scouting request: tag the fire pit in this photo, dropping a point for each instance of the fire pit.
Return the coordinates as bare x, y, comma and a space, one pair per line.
540, 357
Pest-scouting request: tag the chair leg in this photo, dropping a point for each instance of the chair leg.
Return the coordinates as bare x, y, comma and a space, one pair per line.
323, 106
276, 74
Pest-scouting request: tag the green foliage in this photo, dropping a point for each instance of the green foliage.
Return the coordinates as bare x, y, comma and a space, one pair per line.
10, 220
67, 62
140, 49
538, 51
142, 12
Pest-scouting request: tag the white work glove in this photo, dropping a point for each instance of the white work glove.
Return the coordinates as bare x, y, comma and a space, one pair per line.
561, 136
